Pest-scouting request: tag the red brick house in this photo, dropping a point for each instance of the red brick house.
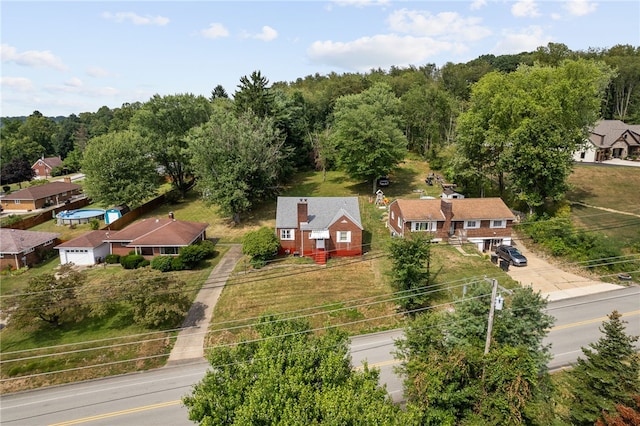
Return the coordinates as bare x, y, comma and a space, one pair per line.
44, 166
485, 222
20, 248
40, 196
320, 227
155, 237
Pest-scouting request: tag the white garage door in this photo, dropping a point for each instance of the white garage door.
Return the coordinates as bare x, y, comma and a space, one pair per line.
77, 257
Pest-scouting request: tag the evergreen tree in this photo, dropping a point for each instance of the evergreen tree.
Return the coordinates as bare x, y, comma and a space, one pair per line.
608, 375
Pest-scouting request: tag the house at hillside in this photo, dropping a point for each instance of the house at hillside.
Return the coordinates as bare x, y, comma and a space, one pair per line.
611, 139
485, 222
320, 227
154, 237
44, 166
85, 250
40, 196
19, 248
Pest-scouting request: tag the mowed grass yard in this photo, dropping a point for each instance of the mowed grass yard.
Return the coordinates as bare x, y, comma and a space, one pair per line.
607, 187
352, 293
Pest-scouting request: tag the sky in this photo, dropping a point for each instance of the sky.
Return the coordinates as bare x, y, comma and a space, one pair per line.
69, 57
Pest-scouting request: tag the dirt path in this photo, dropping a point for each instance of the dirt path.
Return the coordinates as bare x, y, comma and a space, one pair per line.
606, 209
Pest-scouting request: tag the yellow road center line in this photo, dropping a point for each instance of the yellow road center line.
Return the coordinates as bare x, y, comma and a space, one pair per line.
591, 321
118, 413
374, 365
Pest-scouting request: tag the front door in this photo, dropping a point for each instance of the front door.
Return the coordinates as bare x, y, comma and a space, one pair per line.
320, 244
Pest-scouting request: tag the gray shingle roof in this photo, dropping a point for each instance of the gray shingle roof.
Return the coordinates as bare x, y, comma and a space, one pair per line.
322, 211
14, 241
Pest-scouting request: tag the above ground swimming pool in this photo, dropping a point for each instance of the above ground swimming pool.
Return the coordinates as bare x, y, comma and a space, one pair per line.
69, 217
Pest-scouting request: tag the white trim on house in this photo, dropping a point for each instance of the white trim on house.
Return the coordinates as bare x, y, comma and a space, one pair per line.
417, 226
343, 236
287, 234
471, 224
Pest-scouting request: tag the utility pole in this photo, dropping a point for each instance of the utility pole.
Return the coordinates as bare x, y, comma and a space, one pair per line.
492, 309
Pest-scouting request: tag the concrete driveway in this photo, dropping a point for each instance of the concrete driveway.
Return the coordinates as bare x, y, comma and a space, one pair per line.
552, 281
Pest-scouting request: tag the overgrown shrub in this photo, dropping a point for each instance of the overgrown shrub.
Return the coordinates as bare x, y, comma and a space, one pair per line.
177, 264
209, 247
112, 259
192, 255
173, 196
94, 224
11, 219
131, 261
162, 263
261, 245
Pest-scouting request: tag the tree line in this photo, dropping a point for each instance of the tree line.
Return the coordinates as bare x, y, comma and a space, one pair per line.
479, 122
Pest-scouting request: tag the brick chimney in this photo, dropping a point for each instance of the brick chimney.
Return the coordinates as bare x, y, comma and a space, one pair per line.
303, 211
447, 209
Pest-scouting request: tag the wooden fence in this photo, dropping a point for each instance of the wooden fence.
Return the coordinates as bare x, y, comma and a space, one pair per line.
50, 214
134, 214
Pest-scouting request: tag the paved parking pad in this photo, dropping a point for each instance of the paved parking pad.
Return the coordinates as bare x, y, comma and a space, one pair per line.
552, 281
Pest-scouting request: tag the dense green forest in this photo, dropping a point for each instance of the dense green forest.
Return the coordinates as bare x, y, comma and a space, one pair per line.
320, 121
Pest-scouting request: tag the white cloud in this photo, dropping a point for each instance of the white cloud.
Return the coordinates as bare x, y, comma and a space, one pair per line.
580, 7
73, 82
135, 19
19, 84
477, 4
525, 40
446, 25
215, 30
267, 34
525, 9
381, 51
99, 72
76, 87
31, 58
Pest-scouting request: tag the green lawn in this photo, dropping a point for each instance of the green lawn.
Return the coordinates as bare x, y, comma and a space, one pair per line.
354, 293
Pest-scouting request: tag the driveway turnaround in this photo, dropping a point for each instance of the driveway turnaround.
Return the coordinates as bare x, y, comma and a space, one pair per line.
553, 282
190, 342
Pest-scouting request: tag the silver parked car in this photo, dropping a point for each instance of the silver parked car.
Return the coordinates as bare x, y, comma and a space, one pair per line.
511, 255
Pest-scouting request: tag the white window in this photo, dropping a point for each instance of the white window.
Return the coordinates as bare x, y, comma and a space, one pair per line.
343, 236
393, 215
399, 222
16, 201
287, 234
471, 224
423, 226
500, 223
29, 250
169, 250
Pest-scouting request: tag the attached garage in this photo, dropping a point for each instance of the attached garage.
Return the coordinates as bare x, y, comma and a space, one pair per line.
85, 250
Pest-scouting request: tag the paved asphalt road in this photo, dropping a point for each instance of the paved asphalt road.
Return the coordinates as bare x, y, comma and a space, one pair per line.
153, 397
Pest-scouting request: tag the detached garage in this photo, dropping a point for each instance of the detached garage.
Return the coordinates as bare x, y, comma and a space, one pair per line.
87, 249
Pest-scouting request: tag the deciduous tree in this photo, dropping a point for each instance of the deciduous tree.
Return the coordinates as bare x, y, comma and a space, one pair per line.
290, 376
164, 122
239, 160
118, 170
366, 133
526, 125
51, 298
410, 271
16, 170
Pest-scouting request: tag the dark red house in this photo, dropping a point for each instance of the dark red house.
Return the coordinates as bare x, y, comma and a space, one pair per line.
320, 227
